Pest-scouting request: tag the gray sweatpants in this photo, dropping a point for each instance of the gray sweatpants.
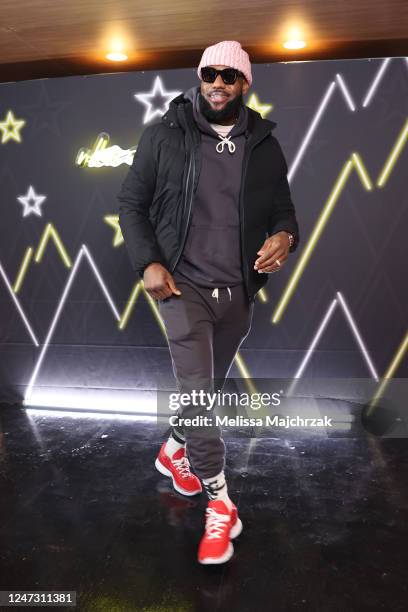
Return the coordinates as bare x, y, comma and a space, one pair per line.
205, 328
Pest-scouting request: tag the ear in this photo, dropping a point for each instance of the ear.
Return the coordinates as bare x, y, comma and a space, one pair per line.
245, 87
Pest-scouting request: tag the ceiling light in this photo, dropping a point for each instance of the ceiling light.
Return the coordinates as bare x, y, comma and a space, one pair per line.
116, 53
294, 40
116, 56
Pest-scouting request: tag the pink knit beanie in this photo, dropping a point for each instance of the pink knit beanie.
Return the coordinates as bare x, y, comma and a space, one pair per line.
227, 53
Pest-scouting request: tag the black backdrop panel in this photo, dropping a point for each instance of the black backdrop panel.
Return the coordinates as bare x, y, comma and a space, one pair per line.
72, 317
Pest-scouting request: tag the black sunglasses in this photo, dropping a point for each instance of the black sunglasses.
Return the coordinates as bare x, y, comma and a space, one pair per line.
228, 75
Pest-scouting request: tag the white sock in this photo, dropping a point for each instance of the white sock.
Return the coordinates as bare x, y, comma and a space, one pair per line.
216, 488
172, 446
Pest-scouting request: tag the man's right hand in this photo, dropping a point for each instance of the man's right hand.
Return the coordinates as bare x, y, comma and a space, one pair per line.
158, 282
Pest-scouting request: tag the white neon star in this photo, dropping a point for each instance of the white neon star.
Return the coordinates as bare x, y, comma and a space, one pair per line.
25, 201
145, 98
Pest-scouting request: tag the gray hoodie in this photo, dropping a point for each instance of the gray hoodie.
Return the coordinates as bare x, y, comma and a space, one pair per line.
212, 255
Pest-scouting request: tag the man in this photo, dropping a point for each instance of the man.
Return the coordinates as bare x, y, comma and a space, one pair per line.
206, 212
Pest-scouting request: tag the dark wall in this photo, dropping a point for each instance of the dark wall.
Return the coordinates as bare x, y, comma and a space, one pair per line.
360, 252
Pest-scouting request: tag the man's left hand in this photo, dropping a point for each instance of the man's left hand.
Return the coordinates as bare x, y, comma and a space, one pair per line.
274, 248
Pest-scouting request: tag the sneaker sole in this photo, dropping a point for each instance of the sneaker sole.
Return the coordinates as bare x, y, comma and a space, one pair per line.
163, 470
236, 529
216, 560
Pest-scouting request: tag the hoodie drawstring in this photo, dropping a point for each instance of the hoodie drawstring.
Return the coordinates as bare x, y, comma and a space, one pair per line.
225, 141
215, 293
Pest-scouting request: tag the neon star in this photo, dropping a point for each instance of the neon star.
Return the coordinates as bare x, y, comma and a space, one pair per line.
31, 208
255, 104
145, 98
11, 127
113, 220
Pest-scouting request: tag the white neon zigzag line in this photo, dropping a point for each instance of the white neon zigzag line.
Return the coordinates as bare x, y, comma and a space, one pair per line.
357, 336
102, 284
346, 92
322, 107
313, 126
19, 308
315, 340
83, 250
311, 130
340, 299
374, 86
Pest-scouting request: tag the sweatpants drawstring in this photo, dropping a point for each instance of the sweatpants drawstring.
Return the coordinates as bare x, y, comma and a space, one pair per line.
215, 293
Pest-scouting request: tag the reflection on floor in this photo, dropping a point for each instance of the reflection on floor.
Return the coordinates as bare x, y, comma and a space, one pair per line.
82, 508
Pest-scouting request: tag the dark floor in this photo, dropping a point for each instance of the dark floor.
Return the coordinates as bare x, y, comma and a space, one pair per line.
82, 508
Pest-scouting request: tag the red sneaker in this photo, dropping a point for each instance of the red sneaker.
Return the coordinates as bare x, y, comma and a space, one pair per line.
177, 468
221, 526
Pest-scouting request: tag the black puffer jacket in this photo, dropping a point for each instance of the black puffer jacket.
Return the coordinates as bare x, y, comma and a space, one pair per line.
157, 193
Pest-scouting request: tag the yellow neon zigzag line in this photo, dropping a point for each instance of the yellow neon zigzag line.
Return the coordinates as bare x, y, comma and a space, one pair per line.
318, 229
393, 156
49, 233
263, 296
395, 362
23, 269
139, 288
357, 163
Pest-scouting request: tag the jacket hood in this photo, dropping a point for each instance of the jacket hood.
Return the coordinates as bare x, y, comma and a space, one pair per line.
183, 104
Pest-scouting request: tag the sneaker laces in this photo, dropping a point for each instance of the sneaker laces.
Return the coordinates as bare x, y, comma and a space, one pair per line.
212, 489
183, 466
215, 523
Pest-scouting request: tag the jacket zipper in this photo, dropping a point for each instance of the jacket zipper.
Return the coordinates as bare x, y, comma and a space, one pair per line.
189, 209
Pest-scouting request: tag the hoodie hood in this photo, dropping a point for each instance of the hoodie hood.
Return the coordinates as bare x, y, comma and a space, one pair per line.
192, 94
184, 108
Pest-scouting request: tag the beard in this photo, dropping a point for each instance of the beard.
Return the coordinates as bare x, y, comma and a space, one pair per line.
230, 112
